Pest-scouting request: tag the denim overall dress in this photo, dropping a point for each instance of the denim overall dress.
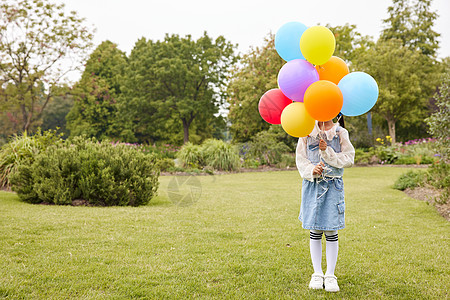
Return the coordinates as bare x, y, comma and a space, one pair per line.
322, 206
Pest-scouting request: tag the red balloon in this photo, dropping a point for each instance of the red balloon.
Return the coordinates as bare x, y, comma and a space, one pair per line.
272, 104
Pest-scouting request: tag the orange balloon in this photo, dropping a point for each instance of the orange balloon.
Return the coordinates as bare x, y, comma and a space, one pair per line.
323, 100
333, 70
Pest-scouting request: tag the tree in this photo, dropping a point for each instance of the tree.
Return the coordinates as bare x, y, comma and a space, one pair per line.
170, 84
55, 114
39, 45
439, 121
96, 109
255, 74
349, 42
412, 23
395, 68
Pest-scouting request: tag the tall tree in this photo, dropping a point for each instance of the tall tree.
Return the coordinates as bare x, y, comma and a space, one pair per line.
349, 42
255, 74
171, 83
412, 22
95, 110
394, 67
39, 45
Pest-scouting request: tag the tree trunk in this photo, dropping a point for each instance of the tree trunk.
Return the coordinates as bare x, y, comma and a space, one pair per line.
391, 126
186, 130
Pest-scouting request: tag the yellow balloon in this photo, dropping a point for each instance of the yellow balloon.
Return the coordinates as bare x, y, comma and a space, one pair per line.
296, 121
317, 44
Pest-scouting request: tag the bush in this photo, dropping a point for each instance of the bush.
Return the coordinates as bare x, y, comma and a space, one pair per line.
164, 164
439, 177
410, 179
21, 150
190, 156
220, 155
212, 153
266, 147
100, 173
405, 160
362, 157
287, 161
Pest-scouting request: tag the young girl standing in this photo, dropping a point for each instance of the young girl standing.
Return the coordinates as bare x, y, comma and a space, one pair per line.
320, 159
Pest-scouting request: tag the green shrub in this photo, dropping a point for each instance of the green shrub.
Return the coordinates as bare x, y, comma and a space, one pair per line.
22, 149
387, 154
220, 155
439, 177
405, 160
362, 157
410, 179
190, 155
287, 160
101, 173
250, 163
164, 164
266, 147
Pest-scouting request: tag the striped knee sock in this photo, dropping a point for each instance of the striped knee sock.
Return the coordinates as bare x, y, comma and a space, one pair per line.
315, 246
332, 248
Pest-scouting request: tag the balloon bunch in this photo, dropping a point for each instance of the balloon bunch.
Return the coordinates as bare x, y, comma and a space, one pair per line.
313, 84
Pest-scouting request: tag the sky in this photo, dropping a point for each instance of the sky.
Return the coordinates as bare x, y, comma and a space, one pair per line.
241, 22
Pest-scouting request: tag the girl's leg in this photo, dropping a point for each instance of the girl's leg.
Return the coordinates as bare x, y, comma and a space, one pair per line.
332, 248
315, 245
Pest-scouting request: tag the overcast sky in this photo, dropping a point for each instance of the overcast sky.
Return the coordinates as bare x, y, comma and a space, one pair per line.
242, 22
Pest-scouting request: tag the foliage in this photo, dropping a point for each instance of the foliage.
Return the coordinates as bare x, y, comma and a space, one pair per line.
54, 116
362, 157
287, 161
220, 155
410, 179
256, 74
174, 84
439, 122
100, 173
39, 44
22, 149
267, 148
412, 23
395, 68
95, 112
349, 42
165, 164
190, 155
439, 177
216, 154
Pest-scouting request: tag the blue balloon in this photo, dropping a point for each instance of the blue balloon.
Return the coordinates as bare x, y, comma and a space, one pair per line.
287, 40
360, 93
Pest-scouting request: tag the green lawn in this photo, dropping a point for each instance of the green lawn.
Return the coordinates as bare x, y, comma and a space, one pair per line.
241, 239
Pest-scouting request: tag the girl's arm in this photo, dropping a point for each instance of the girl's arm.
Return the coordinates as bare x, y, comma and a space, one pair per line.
304, 165
344, 159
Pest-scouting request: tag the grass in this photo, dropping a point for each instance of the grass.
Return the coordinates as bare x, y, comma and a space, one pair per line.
240, 240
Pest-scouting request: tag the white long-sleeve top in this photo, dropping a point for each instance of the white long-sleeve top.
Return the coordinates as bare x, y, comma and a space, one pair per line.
343, 159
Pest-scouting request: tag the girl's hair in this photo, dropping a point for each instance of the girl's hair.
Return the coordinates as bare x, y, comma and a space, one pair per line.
340, 118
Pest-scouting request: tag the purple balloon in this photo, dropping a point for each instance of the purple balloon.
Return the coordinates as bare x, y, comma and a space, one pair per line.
295, 77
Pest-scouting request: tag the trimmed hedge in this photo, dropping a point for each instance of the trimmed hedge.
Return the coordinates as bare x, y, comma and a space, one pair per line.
100, 173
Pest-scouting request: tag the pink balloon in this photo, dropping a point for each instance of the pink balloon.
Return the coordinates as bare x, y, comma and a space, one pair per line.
272, 104
295, 77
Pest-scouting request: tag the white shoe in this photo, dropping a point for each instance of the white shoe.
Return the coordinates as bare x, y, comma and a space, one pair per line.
316, 282
331, 284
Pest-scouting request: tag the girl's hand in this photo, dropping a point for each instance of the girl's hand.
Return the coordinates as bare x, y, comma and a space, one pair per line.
322, 145
318, 169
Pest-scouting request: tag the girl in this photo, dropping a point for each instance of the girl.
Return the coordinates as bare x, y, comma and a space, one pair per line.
320, 159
